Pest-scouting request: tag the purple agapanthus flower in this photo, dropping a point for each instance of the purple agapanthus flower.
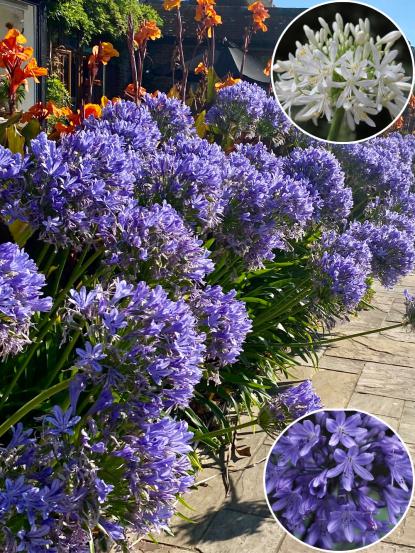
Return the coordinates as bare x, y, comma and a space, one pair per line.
20, 298
156, 243
289, 404
170, 114
225, 322
332, 477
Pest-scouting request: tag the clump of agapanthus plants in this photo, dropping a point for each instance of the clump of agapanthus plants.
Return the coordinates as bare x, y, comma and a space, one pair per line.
343, 74
339, 480
183, 277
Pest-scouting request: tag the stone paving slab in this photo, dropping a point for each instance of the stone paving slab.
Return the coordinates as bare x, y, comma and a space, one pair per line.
377, 405
374, 348
405, 533
234, 532
387, 380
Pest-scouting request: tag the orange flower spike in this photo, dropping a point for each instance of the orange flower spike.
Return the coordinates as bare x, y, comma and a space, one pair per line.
259, 15
147, 31
267, 68
33, 70
201, 69
169, 5
107, 52
229, 81
130, 91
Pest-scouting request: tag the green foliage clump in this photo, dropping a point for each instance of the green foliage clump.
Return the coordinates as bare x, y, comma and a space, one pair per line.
56, 92
91, 18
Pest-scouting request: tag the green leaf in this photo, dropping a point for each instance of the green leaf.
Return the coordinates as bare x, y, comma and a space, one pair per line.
33, 404
212, 78
15, 140
31, 130
200, 124
21, 232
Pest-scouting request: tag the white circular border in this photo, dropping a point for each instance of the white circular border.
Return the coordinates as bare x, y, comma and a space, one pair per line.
304, 417
325, 141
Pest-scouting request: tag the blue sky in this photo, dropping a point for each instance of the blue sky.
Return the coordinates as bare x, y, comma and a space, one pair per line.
401, 11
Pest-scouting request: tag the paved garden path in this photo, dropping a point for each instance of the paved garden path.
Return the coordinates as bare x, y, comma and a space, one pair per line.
375, 373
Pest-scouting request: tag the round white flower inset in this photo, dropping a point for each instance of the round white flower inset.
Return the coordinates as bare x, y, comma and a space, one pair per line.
343, 74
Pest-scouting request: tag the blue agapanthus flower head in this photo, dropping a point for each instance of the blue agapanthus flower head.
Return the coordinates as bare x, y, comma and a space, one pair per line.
393, 253
171, 115
138, 339
288, 403
339, 477
342, 266
332, 200
155, 242
264, 207
20, 298
273, 119
188, 173
131, 122
382, 165
73, 186
225, 322
11, 165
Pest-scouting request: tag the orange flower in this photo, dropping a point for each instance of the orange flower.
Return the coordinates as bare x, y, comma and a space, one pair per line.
201, 69
267, 68
33, 70
147, 31
102, 53
92, 109
38, 111
12, 56
412, 102
229, 81
130, 91
207, 17
399, 123
259, 15
171, 4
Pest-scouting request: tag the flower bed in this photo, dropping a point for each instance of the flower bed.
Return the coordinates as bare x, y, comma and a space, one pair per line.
159, 275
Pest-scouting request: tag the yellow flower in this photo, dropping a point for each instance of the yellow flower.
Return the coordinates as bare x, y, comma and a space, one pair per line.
171, 4
229, 81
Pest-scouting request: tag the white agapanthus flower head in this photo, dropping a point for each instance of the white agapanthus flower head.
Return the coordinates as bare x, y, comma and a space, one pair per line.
342, 66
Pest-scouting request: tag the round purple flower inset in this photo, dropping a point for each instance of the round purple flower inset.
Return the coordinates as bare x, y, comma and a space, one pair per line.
339, 480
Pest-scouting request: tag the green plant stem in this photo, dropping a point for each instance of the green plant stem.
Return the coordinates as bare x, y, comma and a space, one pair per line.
336, 125
349, 336
60, 271
62, 360
42, 254
223, 431
32, 404
50, 321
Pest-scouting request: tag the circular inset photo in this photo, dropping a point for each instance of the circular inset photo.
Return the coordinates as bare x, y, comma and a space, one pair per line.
342, 71
339, 480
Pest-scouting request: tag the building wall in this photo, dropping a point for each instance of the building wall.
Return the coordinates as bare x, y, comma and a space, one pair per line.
23, 17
